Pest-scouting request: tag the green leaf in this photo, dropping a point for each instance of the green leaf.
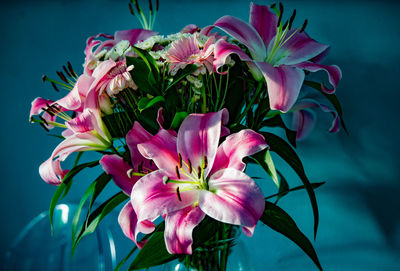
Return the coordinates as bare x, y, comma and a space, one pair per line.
177, 120
145, 102
278, 220
154, 252
332, 98
283, 188
140, 74
97, 215
300, 187
277, 121
65, 185
121, 263
264, 159
93, 192
284, 150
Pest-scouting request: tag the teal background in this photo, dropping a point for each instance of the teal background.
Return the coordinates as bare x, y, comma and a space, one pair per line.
359, 205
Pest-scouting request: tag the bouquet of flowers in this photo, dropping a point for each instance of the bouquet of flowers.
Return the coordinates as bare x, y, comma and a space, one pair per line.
175, 120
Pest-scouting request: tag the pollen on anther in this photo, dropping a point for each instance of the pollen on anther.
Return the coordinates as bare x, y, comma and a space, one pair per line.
199, 172
205, 164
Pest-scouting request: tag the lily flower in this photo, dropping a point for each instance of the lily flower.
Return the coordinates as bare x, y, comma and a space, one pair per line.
277, 53
84, 133
304, 119
187, 50
196, 177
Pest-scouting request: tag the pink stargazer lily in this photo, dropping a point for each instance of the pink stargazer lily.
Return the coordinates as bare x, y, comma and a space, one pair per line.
304, 119
277, 53
196, 177
85, 132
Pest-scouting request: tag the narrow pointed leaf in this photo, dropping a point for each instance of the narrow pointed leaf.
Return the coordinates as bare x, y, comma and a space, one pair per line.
97, 215
145, 102
65, 185
177, 120
300, 187
284, 150
264, 159
283, 188
278, 220
277, 121
93, 191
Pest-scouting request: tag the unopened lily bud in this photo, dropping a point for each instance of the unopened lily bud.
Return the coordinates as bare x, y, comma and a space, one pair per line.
105, 104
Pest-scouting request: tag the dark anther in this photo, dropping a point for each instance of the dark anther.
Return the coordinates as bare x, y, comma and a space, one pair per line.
151, 162
131, 9
66, 71
71, 70
43, 119
178, 194
205, 161
44, 127
292, 18
199, 172
157, 4
150, 7
137, 6
44, 78
62, 76
177, 172
304, 26
190, 166
49, 111
55, 87
280, 14
180, 160
273, 6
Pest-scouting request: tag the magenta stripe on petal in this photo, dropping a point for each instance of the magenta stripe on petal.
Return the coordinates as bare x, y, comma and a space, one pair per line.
223, 49
115, 166
284, 83
237, 146
151, 197
236, 198
198, 137
301, 47
244, 33
179, 227
264, 21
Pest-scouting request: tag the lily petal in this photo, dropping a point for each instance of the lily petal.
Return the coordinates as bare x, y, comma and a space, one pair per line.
235, 198
133, 35
334, 73
283, 84
151, 198
198, 137
127, 219
244, 33
237, 146
303, 123
264, 21
179, 227
161, 148
300, 47
118, 168
223, 49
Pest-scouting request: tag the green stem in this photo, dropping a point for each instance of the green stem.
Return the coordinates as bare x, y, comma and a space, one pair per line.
249, 105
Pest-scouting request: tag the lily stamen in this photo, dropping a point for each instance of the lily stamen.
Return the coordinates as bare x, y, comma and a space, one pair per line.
180, 160
178, 194
304, 26
189, 166
177, 172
